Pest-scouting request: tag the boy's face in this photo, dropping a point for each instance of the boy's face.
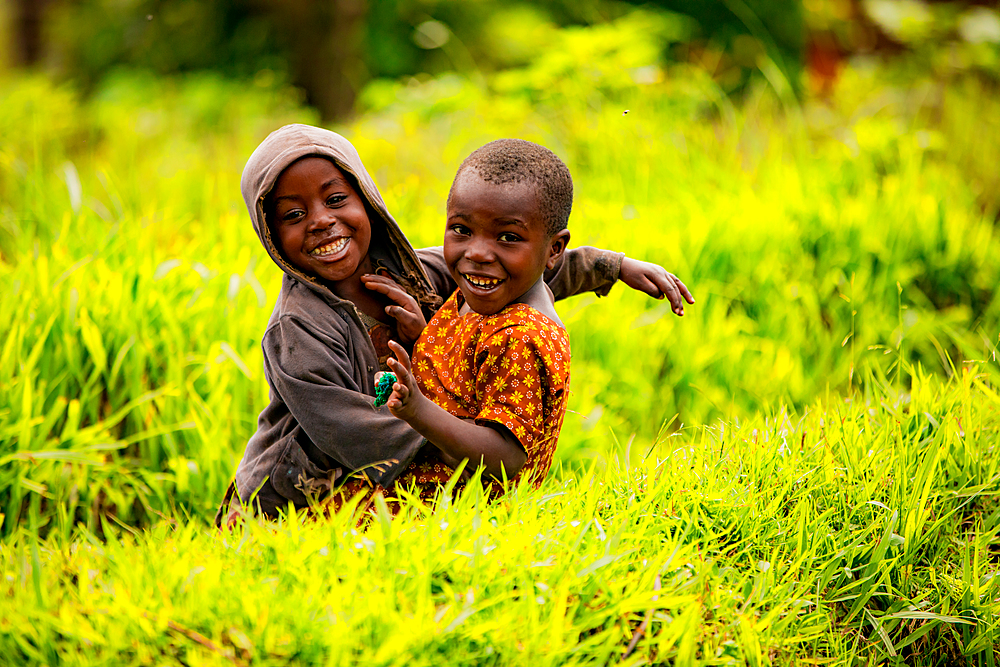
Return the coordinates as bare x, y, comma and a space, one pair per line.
321, 222
495, 242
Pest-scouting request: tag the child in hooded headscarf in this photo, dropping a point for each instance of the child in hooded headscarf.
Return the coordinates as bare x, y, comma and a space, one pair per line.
352, 284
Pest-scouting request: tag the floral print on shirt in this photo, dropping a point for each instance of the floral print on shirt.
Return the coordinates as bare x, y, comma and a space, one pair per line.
510, 368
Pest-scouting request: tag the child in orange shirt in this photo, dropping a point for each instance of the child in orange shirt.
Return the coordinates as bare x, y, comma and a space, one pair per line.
489, 380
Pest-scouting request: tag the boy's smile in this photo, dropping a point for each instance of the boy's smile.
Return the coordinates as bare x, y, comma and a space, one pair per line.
496, 244
321, 221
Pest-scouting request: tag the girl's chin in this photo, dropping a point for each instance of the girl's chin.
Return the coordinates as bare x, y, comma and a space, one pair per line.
343, 268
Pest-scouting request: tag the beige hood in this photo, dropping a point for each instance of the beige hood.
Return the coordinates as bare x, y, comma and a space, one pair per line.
291, 142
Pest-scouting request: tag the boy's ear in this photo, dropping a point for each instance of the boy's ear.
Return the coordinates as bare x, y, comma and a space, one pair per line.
557, 246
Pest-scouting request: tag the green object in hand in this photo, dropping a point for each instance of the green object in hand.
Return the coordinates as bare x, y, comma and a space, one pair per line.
384, 388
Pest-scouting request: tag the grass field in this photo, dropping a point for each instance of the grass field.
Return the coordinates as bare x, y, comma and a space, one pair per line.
860, 531
802, 470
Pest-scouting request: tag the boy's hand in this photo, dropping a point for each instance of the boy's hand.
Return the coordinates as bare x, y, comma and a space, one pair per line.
655, 281
409, 318
405, 397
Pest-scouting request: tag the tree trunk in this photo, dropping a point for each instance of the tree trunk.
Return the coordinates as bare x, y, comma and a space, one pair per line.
325, 41
28, 32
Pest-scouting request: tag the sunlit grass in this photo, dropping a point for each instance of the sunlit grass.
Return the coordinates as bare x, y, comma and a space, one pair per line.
865, 527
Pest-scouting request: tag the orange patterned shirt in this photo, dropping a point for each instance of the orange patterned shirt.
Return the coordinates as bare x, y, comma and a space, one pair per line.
510, 368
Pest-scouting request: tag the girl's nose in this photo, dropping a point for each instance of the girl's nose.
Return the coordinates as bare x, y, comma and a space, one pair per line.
321, 220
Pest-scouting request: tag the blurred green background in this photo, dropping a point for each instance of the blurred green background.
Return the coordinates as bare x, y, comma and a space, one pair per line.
823, 175
333, 50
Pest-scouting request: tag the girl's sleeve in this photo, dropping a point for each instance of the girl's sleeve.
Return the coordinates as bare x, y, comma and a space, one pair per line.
521, 368
313, 374
579, 270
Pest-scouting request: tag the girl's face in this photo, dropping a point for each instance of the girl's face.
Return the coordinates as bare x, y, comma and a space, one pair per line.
321, 221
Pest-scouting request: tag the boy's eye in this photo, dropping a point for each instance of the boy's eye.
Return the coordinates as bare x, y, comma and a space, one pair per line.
509, 237
459, 229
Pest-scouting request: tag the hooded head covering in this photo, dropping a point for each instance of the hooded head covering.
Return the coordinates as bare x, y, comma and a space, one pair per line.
389, 250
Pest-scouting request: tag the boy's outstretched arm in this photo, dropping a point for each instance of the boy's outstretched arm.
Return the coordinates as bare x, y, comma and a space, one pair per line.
655, 281
496, 449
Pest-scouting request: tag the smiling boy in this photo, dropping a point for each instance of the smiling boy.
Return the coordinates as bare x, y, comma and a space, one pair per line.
490, 373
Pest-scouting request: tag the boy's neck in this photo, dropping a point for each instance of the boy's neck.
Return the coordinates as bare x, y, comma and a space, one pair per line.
538, 296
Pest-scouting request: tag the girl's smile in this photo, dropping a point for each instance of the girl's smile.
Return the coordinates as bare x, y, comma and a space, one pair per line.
328, 250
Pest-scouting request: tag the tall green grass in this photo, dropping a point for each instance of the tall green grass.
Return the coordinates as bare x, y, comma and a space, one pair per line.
853, 532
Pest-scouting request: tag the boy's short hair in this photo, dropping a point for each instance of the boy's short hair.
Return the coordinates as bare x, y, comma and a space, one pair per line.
519, 161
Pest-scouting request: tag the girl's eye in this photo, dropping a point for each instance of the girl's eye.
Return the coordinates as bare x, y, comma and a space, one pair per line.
335, 199
291, 216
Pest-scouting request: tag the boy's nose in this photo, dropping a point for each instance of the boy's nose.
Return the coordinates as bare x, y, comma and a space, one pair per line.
479, 252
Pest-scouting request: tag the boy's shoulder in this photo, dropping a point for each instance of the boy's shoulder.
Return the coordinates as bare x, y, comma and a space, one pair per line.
521, 340
521, 320
540, 298
516, 321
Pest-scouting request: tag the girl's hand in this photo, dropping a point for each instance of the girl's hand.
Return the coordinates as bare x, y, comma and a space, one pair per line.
655, 281
409, 318
406, 396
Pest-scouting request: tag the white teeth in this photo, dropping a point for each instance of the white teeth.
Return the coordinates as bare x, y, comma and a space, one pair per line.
331, 248
483, 282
